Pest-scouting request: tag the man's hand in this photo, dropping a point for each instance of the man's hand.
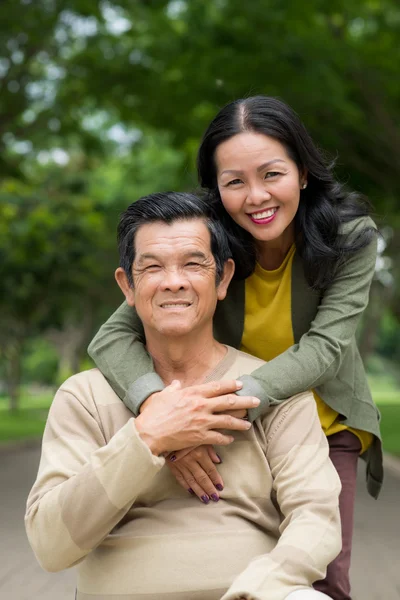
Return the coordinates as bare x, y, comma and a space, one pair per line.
177, 417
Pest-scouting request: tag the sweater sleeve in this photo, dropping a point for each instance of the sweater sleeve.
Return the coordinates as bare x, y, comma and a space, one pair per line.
119, 352
84, 485
318, 355
307, 489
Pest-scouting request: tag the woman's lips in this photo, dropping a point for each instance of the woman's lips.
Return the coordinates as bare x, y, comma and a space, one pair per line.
264, 216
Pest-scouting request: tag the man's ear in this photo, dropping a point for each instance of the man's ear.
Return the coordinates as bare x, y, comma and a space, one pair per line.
128, 291
229, 269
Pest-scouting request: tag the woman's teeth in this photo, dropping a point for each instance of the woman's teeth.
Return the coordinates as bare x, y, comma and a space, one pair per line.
265, 214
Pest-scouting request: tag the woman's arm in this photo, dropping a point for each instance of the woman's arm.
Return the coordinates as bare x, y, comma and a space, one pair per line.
119, 352
317, 357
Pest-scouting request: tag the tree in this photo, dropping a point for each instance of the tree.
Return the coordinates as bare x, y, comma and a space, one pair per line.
51, 250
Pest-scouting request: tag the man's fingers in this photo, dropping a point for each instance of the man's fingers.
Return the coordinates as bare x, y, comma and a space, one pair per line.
217, 388
174, 385
231, 402
217, 438
228, 422
239, 414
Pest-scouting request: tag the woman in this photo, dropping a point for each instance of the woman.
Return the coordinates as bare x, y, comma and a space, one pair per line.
315, 251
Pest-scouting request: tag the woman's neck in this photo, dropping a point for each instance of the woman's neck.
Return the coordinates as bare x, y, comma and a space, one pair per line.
272, 253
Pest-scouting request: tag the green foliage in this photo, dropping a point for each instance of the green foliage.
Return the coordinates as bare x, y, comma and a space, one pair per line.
40, 362
103, 102
50, 246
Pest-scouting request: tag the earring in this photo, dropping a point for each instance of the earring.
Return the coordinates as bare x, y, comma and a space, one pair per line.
304, 185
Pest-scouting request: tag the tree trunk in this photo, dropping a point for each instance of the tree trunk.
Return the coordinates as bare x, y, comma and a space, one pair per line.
71, 342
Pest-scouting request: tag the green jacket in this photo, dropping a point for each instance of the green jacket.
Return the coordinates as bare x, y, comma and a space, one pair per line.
324, 357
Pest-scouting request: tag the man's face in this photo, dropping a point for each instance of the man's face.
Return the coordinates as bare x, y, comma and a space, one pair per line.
174, 274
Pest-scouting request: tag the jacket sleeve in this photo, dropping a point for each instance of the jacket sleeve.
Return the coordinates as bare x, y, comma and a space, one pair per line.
84, 485
307, 489
318, 355
119, 352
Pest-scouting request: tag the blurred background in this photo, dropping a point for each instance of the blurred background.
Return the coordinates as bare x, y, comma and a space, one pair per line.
102, 102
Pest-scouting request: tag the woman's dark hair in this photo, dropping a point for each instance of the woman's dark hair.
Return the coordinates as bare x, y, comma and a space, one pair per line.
324, 205
169, 207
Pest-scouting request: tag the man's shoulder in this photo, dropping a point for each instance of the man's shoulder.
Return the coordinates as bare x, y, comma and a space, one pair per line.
299, 411
89, 384
241, 364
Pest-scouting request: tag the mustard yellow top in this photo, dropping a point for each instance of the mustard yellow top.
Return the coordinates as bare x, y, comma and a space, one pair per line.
268, 330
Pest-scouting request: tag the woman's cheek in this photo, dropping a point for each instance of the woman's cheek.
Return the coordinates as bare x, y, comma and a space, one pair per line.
231, 202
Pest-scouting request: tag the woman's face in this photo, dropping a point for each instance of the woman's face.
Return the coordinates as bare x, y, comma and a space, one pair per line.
259, 186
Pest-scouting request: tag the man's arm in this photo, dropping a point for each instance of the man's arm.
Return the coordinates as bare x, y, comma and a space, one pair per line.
84, 485
307, 488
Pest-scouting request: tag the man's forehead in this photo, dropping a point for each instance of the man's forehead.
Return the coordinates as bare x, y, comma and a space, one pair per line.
181, 237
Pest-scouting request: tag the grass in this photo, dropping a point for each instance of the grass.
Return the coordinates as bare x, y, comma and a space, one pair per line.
386, 394
29, 421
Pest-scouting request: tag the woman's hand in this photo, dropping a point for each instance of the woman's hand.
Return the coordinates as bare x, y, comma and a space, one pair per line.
196, 472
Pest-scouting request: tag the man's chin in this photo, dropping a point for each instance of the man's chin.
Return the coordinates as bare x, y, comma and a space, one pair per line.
174, 330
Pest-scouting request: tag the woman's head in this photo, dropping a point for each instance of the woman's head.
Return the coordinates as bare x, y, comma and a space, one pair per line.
257, 158
263, 172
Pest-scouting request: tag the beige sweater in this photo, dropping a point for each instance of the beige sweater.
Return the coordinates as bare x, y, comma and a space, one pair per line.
103, 501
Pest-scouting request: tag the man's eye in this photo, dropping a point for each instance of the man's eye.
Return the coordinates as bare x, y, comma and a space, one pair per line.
192, 264
152, 267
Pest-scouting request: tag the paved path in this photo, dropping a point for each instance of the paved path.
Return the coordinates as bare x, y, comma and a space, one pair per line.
376, 555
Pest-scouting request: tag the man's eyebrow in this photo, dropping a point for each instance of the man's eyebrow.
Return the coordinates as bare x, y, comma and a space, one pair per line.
190, 254
260, 168
146, 256
196, 254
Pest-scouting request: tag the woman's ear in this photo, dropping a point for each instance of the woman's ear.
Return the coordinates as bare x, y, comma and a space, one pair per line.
123, 282
229, 269
303, 179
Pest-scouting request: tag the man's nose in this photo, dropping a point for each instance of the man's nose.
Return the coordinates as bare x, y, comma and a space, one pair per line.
174, 280
258, 194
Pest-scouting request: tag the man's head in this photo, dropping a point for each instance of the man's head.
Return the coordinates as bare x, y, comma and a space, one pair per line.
175, 262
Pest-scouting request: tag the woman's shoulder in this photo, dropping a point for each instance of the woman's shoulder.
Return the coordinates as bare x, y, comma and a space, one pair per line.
357, 225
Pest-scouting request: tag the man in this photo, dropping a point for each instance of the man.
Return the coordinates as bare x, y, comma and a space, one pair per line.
104, 498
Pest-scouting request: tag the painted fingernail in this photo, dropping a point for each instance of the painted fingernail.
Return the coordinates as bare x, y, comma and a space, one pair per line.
205, 499
214, 497
219, 487
191, 491
172, 458
220, 459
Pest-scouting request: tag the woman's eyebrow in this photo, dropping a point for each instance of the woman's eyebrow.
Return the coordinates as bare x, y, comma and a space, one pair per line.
260, 168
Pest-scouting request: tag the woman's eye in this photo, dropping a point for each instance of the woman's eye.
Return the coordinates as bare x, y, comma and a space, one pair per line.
234, 182
271, 174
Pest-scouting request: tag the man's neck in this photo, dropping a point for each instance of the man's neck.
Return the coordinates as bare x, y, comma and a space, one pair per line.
188, 359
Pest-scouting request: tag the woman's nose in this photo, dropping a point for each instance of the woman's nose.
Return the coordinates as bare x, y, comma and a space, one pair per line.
258, 195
